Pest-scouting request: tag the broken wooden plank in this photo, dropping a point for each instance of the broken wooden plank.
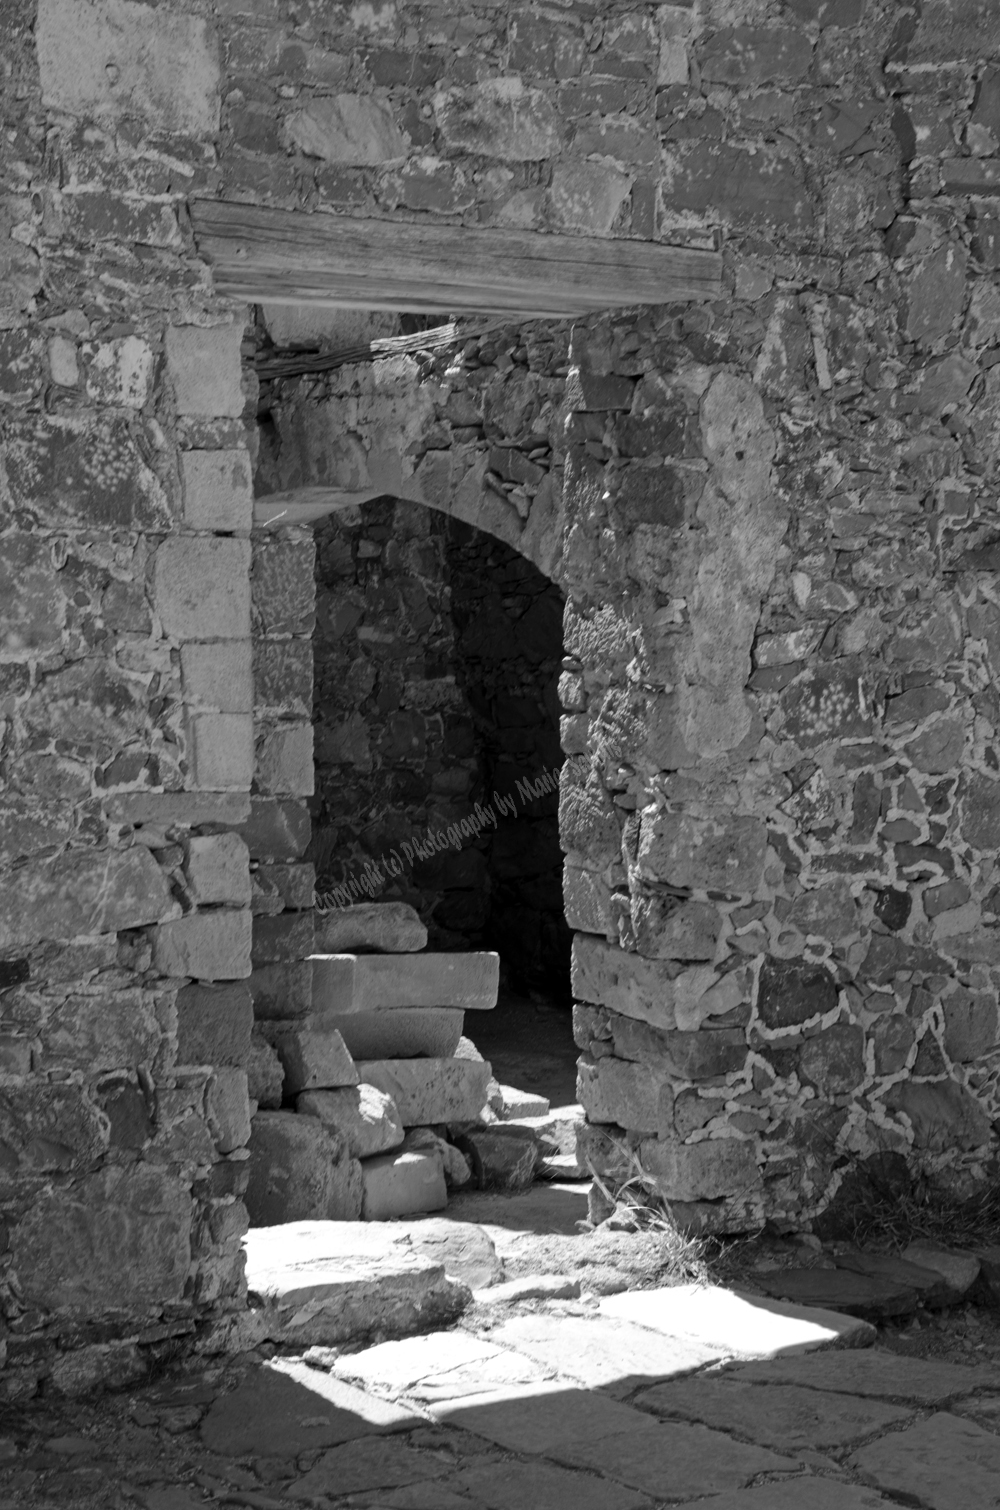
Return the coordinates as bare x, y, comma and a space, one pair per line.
288, 256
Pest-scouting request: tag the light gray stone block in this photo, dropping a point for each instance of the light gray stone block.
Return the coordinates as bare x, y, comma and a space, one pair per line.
402, 1184
387, 927
203, 365
205, 945
401, 1032
367, 982
217, 868
218, 678
313, 1059
218, 490
201, 587
364, 1115
115, 57
431, 1091
221, 752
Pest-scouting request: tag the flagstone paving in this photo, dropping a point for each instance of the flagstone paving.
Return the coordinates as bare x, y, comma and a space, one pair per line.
642, 1401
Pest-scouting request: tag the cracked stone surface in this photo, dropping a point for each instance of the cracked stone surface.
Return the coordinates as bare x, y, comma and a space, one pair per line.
536, 1403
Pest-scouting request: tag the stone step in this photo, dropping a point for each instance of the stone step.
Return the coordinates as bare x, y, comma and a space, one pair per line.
870, 1296
400, 1032
386, 927
429, 1092
329, 1282
402, 1184
368, 982
362, 1114
313, 1057
515, 1105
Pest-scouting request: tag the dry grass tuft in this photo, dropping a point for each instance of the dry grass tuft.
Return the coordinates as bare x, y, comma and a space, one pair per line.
638, 1207
891, 1220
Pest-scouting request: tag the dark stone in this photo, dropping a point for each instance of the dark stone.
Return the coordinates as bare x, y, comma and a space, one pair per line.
278, 829
664, 432
283, 676
893, 1037
917, 704
889, 955
283, 590
747, 55
765, 186
923, 858
501, 1158
981, 813
286, 936
129, 1113
938, 899
649, 495
91, 475
13, 972
870, 1297
791, 992
893, 907
828, 705
944, 1115
929, 1285
834, 1060
214, 1024
930, 1060
985, 242
591, 391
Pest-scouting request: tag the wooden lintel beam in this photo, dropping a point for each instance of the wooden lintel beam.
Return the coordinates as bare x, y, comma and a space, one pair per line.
289, 256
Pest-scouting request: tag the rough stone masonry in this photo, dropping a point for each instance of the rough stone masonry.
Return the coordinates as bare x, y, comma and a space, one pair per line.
773, 516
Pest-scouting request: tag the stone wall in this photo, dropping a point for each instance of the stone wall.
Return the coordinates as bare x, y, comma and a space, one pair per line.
776, 528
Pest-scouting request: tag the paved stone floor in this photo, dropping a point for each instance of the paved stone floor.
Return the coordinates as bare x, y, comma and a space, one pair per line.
621, 1403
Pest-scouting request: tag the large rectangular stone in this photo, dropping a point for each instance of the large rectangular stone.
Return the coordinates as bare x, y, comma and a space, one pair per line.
217, 869
179, 809
634, 1096
277, 829
220, 752
701, 1171
116, 57
709, 854
401, 1032
217, 678
330, 1282
218, 490
281, 991
313, 1059
367, 982
430, 1091
206, 945
84, 892
402, 1184
284, 759
201, 587
300, 1171
203, 366
365, 1116
283, 936
214, 1025
386, 927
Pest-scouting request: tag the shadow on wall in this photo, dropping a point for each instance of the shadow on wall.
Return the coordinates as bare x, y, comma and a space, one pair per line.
438, 651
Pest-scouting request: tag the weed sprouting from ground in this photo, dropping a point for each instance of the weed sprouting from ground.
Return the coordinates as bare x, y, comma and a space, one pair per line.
635, 1205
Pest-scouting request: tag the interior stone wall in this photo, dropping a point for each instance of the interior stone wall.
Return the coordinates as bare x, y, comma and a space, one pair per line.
774, 519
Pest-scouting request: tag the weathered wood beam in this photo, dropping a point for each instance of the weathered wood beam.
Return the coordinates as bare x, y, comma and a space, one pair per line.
288, 256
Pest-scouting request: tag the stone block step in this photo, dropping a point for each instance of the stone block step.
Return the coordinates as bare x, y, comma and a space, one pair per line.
367, 982
365, 1116
428, 1092
385, 927
402, 1184
735, 1325
312, 1057
400, 1032
327, 1283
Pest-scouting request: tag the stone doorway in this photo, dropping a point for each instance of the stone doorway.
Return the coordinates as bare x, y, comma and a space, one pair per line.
437, 655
